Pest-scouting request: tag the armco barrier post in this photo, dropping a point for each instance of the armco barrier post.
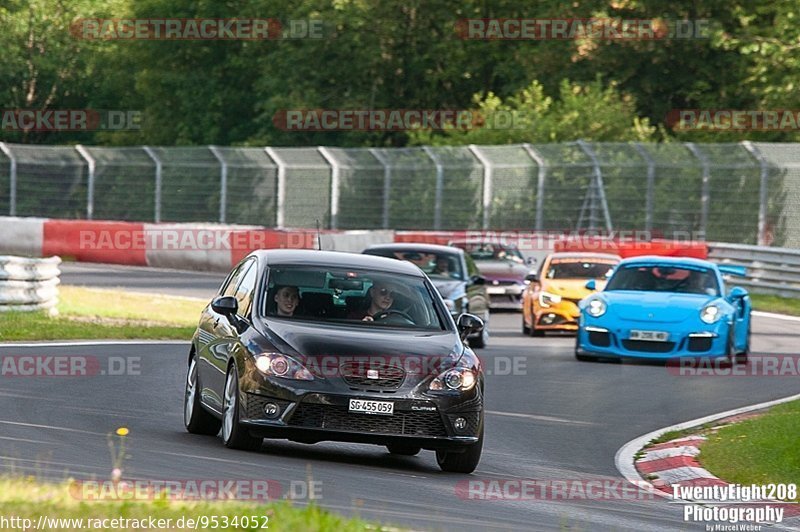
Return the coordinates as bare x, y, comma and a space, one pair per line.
12, 178
223, 183
387, 183
159, 169
651, 180
597, 189
92, 165
488, 169
280, 203
437, 202
541, 166
705, 194
762, 191
335, 179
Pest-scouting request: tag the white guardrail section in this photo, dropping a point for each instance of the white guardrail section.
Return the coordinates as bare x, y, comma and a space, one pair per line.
28, 284
769, 270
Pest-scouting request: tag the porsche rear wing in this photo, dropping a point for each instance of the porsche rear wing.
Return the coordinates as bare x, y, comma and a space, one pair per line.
730, 269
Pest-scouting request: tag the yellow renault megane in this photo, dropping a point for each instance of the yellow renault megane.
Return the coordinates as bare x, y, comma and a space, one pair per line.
550, 301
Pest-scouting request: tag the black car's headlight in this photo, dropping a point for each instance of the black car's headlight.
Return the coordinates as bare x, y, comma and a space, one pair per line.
280, 365
711, 314
457, 379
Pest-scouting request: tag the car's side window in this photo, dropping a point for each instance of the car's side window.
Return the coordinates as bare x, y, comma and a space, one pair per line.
245, 287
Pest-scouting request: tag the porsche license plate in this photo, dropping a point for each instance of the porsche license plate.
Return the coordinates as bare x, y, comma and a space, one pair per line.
650, 336
363, 406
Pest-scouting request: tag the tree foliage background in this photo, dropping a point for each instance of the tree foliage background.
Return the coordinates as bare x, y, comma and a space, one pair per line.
403, 54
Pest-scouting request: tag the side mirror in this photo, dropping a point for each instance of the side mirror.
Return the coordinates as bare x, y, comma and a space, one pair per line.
737, 292
468, 324
591, 285
477, 279
530, 261
532, 278
225, 305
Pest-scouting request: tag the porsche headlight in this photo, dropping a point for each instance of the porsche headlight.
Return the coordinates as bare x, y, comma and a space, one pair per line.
710, 314
279, 365
458, 378
547, 299
596, 308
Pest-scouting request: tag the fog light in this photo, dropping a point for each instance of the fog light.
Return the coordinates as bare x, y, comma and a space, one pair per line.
460, 423
271, 410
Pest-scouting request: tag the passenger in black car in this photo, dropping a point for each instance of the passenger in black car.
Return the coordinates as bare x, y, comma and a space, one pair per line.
287, 299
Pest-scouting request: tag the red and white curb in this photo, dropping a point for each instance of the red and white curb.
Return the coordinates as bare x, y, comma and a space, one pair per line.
675, 461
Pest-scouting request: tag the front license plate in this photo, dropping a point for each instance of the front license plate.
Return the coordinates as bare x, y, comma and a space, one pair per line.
362, 406
651, 336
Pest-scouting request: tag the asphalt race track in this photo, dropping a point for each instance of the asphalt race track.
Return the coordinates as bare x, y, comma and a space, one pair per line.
555, 419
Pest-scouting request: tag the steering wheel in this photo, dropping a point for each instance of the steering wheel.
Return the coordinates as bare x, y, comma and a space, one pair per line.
380, 316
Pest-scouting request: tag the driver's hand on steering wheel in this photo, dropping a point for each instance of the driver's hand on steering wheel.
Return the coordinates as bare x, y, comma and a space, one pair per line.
367, 318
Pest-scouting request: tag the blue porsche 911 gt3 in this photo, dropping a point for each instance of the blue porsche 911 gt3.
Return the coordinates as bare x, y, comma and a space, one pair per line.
666, 307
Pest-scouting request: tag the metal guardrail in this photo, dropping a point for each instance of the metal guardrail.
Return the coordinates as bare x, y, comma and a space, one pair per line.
769, 270
28, 284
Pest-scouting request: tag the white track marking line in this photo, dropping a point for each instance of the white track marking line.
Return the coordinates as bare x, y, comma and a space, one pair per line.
539, 418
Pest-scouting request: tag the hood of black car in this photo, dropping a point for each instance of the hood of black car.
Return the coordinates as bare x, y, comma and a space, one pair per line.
319, 345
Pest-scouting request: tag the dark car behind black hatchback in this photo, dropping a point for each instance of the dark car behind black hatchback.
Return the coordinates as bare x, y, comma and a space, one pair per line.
402, 377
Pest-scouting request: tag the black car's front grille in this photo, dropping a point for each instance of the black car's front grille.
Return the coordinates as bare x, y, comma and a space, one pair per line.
372, 375
332, 417
646, 346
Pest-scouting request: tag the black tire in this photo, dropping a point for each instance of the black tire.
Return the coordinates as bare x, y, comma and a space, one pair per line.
734, 358
234, 435
461, 462
525, 329
744, 356
196, 418
403, 449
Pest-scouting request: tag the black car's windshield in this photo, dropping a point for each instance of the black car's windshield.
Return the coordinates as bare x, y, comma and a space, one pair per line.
441, 265
579, 269
369, 298
664, 278
491, 251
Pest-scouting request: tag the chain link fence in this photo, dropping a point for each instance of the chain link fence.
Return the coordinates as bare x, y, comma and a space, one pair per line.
738, 192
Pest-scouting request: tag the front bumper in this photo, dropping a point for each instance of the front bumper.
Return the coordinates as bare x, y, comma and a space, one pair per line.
561, 316
505, 296
708, 341
319, 412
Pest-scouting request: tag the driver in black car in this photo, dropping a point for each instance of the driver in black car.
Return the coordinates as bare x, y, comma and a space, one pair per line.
381, 299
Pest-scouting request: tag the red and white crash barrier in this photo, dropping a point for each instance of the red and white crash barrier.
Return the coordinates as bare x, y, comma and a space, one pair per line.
210, 247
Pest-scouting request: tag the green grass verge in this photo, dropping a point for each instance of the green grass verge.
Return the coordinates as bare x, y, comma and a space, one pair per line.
760, 450
777, 304
28, 499
91, 313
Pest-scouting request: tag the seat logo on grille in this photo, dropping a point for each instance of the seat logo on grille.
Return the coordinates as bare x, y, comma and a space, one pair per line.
372, 374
